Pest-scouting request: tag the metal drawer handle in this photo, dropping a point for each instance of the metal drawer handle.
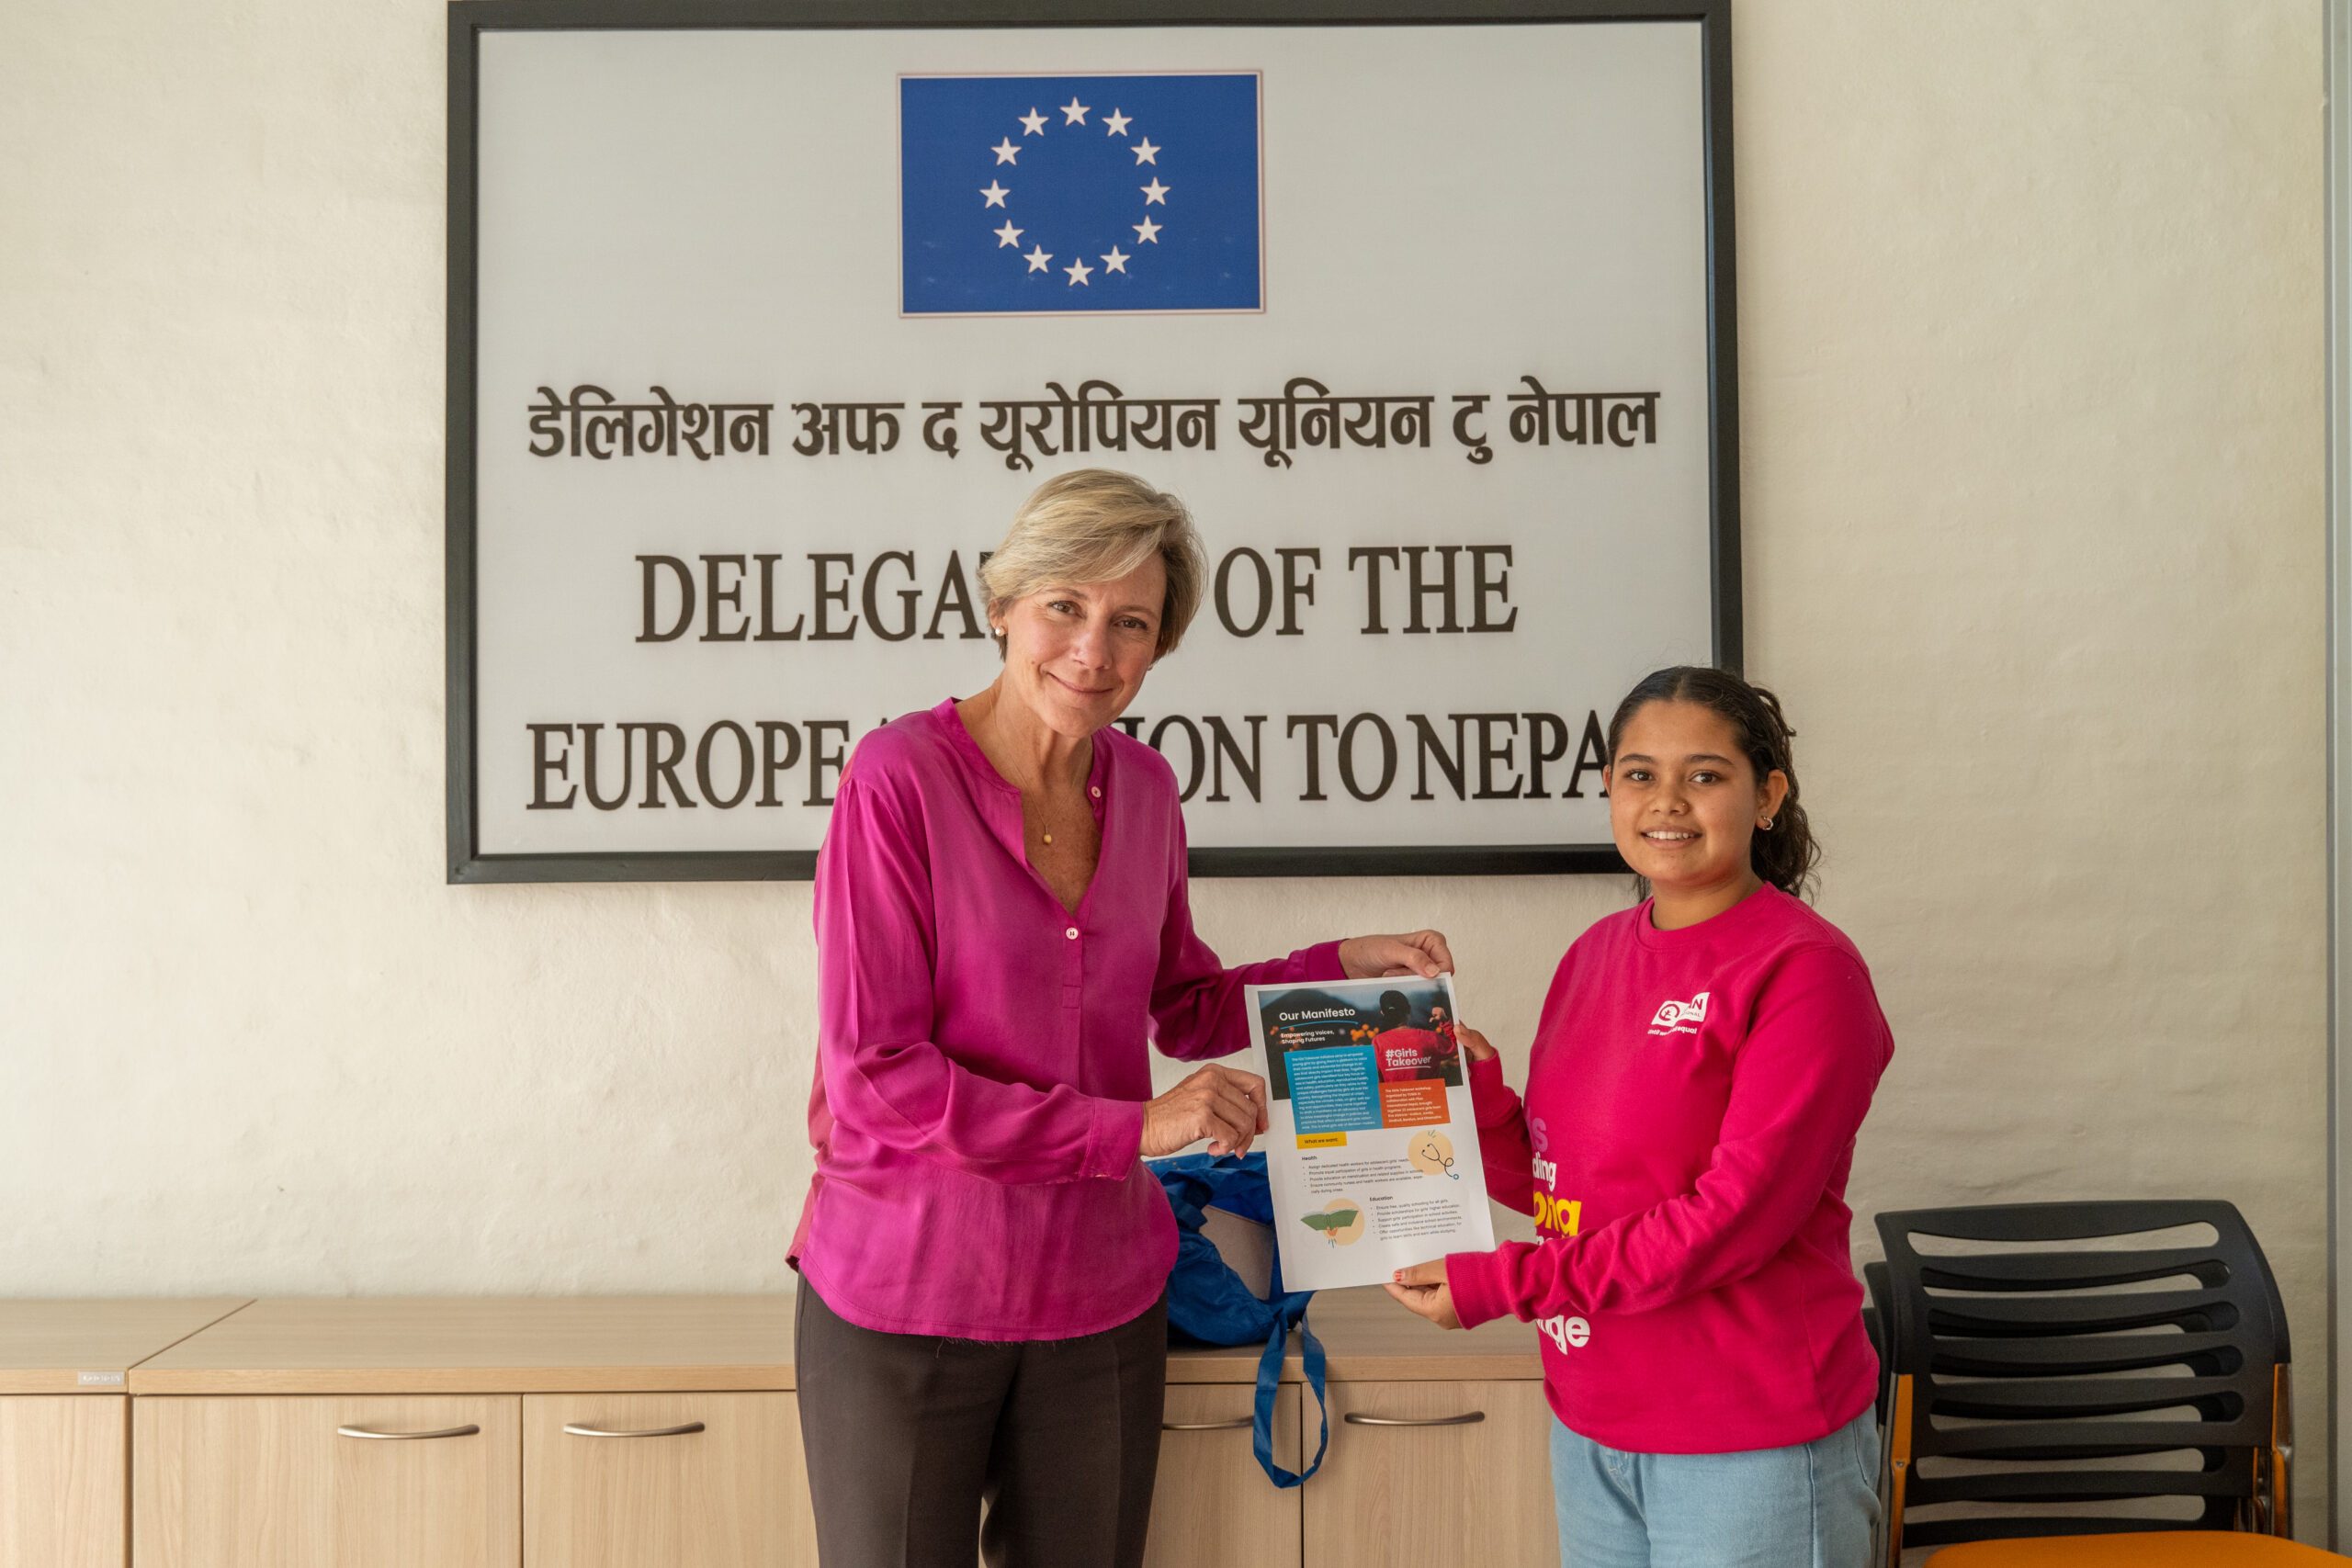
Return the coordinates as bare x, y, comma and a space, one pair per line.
650, 1432
405, 1436
1233, 1426
1468, 1418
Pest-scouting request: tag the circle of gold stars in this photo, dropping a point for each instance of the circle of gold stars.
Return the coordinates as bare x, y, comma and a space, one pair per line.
1008, 154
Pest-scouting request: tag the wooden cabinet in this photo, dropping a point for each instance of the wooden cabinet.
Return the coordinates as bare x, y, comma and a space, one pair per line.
1420, 1492
244, 1453
552, 1480
62, 1479
64, 1422
1213, 1507
232, 1471
1435, 1472
356, 1482
673, 1479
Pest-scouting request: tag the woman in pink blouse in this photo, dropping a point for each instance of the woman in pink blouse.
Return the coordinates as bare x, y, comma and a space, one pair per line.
1002, 927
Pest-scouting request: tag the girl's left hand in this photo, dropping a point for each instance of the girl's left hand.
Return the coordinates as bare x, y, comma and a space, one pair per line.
1425, 1293
1414, 953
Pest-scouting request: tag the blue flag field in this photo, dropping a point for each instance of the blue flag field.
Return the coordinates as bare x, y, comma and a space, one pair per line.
1079, 193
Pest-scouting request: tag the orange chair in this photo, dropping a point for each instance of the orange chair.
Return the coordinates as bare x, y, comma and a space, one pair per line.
2039, 1378
2159, 1548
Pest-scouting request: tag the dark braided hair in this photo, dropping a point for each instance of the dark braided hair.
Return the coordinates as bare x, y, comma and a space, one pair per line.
1785, 853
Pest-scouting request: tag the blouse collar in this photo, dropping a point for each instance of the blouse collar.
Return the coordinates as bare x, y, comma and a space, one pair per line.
960, 741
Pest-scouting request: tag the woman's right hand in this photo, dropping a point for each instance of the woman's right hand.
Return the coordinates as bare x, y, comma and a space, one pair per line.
1221, 1104
1475, 1042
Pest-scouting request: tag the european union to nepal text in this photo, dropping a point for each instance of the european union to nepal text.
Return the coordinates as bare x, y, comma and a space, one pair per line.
1394, 591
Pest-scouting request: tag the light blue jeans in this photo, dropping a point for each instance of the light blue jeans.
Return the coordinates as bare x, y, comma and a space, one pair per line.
1811, 1505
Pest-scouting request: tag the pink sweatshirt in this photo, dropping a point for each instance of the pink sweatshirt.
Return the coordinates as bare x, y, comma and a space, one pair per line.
1691, 1105
1408, 1054
981, 1052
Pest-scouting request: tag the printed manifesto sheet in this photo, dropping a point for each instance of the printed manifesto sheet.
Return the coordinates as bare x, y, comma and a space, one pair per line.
1370, 1149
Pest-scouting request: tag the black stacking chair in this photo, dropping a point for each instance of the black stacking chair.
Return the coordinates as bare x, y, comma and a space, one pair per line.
1876, 1324
2023, 1377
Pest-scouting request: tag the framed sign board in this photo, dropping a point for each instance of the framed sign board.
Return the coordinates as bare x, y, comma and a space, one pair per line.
765, 318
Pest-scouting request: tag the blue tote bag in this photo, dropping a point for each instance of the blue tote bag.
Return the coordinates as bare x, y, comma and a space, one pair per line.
1208, 1303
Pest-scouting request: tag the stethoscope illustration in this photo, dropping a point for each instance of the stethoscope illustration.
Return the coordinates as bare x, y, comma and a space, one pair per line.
1444, 1159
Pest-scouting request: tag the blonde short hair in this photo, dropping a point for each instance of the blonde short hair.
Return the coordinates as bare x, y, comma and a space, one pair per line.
1097, 526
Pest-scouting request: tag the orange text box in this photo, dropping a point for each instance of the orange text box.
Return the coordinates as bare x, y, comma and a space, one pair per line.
1416, 1103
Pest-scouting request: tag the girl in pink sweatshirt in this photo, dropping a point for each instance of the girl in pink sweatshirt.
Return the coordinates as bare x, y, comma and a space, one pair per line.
1702, 1064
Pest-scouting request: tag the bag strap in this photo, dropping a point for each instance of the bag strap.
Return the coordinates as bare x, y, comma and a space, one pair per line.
1270, 1377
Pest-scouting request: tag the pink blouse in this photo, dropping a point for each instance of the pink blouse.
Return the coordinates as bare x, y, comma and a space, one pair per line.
977, 1112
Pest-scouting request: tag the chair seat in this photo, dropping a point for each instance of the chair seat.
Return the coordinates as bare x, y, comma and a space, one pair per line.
2155, 1549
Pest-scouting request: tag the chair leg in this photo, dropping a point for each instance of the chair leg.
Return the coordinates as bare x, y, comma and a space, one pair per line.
2282, 1452
1896, 1473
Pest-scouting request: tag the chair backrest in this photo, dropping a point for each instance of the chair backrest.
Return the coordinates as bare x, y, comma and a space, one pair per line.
2030, 1382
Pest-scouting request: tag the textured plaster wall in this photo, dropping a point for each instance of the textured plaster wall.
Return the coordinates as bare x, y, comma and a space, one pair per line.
2031, 387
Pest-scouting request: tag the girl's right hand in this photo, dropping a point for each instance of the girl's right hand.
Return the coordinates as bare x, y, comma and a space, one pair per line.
1475, 1044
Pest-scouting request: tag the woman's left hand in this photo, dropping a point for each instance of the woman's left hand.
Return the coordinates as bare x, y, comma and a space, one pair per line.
1425, 1293
1415, 952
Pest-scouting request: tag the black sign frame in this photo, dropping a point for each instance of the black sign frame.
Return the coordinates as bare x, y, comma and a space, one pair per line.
469, 18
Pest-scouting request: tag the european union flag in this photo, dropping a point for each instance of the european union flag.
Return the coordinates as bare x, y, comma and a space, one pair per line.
1078, 193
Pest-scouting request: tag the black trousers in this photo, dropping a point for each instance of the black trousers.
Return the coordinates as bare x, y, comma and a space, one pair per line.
910, 1436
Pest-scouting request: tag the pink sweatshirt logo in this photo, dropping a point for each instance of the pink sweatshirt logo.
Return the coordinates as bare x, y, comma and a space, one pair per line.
1567, 1333
1681, 1018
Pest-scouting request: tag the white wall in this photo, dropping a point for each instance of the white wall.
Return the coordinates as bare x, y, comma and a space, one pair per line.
2030, 316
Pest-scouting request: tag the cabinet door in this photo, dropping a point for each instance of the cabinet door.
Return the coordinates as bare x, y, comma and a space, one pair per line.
1213, 1507
1412, 1478
354, 1480
62, 1480
665, 1480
